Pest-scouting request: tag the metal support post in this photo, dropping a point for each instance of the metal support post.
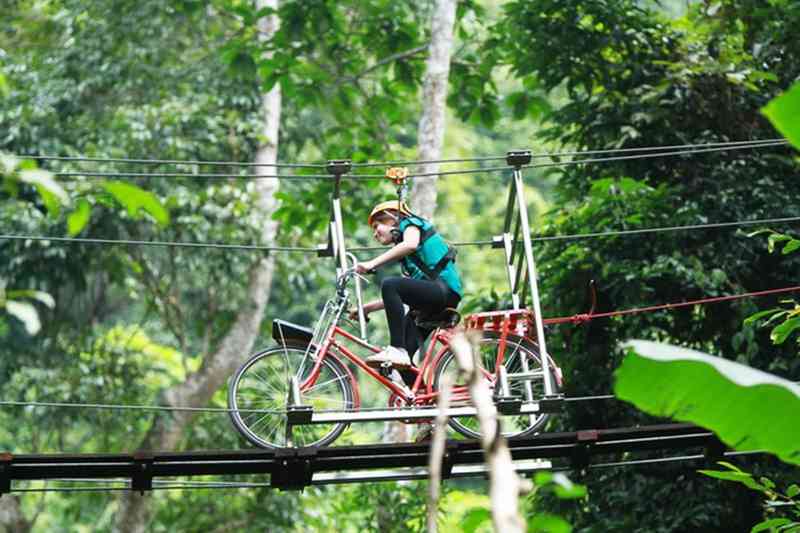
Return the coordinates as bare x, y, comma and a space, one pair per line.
338, 168
5, 473
582, 452
506, 403
362, 318
142, 478
293, 468
517, 160
296, 412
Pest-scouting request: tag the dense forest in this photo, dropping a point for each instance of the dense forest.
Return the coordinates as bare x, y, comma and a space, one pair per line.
207, 87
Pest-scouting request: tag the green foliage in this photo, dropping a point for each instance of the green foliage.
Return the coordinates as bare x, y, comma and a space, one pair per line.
791, 316
783, 112
776, 501
723, 396
135, 199
628, 78
16, 173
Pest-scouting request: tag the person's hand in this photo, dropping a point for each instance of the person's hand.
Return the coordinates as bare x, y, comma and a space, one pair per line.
352, 313
365, 268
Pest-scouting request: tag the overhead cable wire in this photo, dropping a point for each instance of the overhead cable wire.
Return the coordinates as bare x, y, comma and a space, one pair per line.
394, 162
603, 159
689, 227
301, 249
430, 161
650, 156
657, 460
134, 407
368, 177
187, 175
585, 317
168, 161
654, 148
84, 240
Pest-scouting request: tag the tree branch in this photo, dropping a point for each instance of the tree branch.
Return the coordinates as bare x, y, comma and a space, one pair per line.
505, 485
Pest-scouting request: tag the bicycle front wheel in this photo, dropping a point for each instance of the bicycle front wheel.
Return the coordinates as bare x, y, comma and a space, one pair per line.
520, 355
259, 392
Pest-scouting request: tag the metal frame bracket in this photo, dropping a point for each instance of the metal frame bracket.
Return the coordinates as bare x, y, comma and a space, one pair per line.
552, 404
448, 459
714, 450
5, 473
293, 468
517, 158
582, 453
339, 166
142, 477
297, 415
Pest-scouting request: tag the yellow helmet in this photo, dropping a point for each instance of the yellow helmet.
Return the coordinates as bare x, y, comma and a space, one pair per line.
394, 205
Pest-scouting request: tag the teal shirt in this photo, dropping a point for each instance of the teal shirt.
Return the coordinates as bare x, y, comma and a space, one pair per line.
431, 251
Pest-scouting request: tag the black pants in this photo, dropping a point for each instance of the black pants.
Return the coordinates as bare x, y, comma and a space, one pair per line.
422, 295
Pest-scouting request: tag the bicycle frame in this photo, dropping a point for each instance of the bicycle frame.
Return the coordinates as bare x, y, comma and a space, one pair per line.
331, 345
329, 337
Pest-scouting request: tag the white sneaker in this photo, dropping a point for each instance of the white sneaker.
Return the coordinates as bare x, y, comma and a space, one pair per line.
397, 357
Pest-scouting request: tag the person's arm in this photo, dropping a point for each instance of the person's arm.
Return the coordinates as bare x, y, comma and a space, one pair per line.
371, 307
408, 245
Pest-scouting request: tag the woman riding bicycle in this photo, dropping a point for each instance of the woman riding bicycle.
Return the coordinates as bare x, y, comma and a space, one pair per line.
431, 281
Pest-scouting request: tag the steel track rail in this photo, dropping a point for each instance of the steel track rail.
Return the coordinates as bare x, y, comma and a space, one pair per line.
296, 468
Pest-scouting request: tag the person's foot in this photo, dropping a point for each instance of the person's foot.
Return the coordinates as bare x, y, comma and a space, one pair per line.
397, 357
424, 433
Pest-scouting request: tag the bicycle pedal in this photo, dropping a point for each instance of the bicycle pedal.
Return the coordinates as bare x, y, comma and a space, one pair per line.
386, 369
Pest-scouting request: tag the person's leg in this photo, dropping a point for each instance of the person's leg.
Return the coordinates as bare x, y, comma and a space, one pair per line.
395, 313
417, 294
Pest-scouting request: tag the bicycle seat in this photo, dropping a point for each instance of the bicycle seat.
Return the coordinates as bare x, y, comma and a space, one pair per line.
448, 318
283, 331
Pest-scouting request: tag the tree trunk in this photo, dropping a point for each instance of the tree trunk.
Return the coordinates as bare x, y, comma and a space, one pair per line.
430, 136
135, 510
12, 520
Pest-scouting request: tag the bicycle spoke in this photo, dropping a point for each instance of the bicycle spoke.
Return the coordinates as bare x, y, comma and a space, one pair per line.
262, 383
318, 385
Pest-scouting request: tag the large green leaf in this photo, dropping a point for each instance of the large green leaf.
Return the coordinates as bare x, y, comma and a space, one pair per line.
133, 199
78, 219
26, 313
782, 331
748, 409
40, 296
784, 111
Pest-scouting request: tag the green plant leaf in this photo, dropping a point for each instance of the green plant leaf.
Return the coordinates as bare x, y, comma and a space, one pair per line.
43, 180
758, 316
770, 524
26, 313
474, 518
133, 199
748, 409
793, 491
783, 330
78, 219
40, 296
547, 523
783, 112
739, 477
791, 246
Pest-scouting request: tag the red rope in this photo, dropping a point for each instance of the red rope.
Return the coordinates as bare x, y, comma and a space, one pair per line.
585, 317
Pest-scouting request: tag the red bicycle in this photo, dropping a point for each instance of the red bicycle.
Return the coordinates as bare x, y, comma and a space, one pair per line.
307, 369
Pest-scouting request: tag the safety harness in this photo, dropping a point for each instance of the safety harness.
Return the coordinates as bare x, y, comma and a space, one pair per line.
431, 273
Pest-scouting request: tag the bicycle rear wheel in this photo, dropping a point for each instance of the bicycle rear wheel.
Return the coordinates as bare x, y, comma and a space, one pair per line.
259, 392
519, 353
